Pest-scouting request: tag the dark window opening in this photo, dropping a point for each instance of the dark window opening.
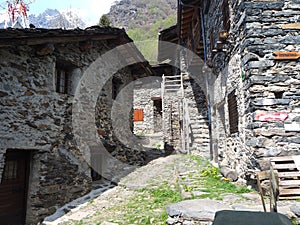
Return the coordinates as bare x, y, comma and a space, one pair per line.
64, 79
279, 95
233, 113
95, 175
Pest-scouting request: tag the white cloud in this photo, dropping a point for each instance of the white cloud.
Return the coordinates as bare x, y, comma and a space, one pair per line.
99, 7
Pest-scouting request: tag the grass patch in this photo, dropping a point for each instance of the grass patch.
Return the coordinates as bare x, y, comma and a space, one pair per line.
210, 181
147, 206
216, 185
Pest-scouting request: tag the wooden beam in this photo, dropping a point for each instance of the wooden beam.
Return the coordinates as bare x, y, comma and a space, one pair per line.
295, 191
285, 166
286, 55
291, 26
288, 174
54, 40
281, 158
290, 183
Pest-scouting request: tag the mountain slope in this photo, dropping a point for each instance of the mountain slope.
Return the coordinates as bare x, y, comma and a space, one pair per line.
143, 19
131, 14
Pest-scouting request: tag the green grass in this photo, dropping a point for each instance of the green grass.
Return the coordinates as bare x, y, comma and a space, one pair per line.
146, 38
215, 186
294, 222
79, 223
211, 182
147, 206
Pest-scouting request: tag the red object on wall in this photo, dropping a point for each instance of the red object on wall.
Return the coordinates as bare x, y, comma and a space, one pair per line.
280, 116
138, 115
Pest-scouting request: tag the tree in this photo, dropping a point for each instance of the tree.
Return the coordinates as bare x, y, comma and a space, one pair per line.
104, 21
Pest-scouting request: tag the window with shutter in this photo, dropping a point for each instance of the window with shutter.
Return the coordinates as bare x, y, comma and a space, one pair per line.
138, 115
233, 113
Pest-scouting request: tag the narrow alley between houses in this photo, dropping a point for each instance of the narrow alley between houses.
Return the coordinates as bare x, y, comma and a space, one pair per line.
176, 189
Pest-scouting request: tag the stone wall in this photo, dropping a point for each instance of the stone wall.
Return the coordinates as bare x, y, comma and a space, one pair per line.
144, 92
263, 85
35, 118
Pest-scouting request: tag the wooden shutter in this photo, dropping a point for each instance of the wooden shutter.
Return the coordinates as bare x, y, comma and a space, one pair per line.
233, 113
138, 115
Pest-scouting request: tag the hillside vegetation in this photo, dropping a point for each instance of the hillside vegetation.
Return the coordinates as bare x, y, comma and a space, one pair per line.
143, 19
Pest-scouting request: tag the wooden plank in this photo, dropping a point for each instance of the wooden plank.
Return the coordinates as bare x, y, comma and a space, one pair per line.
295, 191
173, 76
288, 174
289, 197
285, 166
274, 189
289, 183
286, 55
293, 26
172, 81
282, 158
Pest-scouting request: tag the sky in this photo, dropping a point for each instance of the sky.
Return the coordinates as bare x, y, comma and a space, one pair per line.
90, 10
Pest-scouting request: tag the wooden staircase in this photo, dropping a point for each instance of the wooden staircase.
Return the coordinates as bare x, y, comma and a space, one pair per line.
289, 177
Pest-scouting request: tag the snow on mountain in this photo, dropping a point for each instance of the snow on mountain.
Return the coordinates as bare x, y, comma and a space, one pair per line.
52, 18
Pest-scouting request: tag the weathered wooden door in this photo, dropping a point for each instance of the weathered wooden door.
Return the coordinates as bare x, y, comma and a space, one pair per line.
13, 188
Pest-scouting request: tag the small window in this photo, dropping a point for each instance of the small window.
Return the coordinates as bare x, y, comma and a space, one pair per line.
63, 81
138, 115
233, 113
10, 170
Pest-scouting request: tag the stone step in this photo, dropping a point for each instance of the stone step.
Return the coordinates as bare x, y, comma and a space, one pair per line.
199, 125
201, 135
201, 143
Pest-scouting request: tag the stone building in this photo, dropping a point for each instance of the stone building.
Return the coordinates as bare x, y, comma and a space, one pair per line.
147, 102
244, 55
41, 165
254, 93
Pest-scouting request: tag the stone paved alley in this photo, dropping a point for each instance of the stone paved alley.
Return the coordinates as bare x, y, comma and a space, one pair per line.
111, 206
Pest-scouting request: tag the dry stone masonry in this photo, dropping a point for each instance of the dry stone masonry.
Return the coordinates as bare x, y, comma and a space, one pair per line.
263, 89
40, 70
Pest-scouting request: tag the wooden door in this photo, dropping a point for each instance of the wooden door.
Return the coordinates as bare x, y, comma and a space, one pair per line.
13, 188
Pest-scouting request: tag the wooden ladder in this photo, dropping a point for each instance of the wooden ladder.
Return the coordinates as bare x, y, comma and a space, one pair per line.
289, 177
171, 90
